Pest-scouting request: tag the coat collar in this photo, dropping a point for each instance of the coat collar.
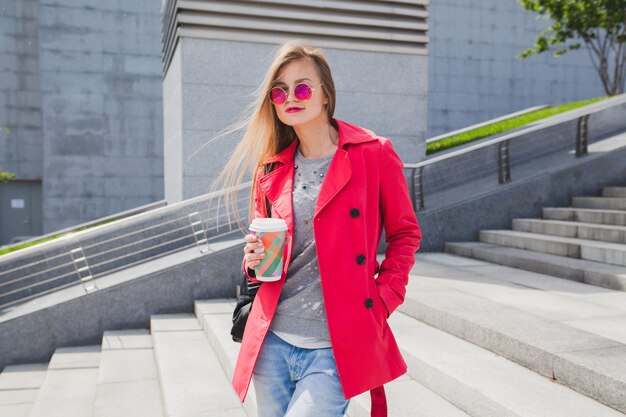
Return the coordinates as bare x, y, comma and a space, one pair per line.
278, 184
348, 134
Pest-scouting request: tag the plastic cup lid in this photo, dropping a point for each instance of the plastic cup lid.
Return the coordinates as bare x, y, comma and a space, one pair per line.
268, 225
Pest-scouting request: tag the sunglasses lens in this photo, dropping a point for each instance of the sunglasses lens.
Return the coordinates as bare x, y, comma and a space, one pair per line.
302, 92
278, 95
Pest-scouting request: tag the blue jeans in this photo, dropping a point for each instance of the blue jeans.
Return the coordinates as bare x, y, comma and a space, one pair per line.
294, 382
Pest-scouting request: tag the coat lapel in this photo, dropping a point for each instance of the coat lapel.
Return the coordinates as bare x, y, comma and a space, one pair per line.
340, 169
278, 184
338, 175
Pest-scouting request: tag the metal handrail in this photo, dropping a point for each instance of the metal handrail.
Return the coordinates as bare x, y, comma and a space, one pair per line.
195, 228
134, 242
23, 278
486, 123
122, 221
126, 255
118, 237
504, 167
550, 122
37, 284
39, 294
127, 213
7, 271
149, 258
206, 229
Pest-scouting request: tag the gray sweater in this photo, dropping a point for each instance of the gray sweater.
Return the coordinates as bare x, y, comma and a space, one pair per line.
300, 317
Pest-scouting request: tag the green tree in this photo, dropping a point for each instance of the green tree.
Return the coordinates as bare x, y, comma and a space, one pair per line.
599, 25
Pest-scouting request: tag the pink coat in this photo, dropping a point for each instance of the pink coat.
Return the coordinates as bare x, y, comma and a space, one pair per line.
364, 191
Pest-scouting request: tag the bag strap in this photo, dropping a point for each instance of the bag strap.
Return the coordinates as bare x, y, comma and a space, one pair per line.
268, 206
268, 209
379, 402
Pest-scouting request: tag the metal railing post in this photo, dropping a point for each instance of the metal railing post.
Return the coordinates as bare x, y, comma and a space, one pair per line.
81, 265
420, 182
197, 228
413, 200
504, 163
582, 136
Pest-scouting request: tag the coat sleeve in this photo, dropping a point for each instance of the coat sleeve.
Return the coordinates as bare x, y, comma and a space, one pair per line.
402, 232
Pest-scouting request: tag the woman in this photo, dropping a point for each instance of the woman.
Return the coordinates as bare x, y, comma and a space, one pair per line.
319, 335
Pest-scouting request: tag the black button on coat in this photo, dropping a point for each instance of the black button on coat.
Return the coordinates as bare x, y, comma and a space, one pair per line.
360, 259
354, 213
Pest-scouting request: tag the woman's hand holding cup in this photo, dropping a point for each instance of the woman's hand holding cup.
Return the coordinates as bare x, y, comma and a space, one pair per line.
265, 246
254, 250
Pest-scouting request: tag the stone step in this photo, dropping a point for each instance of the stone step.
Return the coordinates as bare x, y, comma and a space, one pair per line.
567, 331
127, 380
215, 318
614, 192
458, 375
612, 253
192, 380
405, 396
599, 216
590, 272
69, 387
19, 387
542, 295
608, 203
591, 231
482, 382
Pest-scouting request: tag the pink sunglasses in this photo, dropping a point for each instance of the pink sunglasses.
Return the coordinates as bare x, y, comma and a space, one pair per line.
302, 92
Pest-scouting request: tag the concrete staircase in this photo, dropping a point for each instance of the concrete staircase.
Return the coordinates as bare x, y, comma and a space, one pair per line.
585, 242
481, 340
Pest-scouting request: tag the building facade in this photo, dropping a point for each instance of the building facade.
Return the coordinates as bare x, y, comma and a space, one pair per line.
105, 106
216, 55
474, 73
80, 101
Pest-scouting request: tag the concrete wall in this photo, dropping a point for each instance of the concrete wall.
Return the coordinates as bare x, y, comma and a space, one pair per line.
21, 139
474, 74
31, 333
202, 95
100, 67
84, 78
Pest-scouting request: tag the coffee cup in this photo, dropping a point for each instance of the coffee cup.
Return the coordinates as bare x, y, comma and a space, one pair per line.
272, 233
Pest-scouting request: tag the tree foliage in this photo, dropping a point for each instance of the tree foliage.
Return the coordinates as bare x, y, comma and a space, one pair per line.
6, 176
599, 25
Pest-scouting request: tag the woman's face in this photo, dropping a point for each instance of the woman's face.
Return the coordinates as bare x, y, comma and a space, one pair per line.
294, 112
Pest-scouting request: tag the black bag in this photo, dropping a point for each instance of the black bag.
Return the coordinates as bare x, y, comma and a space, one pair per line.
247, 291
242, 309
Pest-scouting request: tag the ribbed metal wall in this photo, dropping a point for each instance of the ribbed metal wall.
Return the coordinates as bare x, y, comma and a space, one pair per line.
396, 26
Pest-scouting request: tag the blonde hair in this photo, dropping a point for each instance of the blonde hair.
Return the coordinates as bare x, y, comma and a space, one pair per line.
264, 134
